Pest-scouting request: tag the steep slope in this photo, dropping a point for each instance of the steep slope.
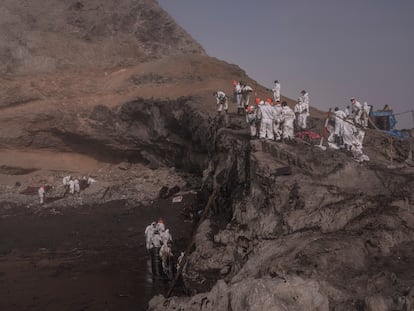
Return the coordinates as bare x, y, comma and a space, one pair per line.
52, 35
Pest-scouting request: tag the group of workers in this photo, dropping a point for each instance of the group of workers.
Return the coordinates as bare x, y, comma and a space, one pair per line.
359, 113
348, 129
71, 184
270, 118
159, 238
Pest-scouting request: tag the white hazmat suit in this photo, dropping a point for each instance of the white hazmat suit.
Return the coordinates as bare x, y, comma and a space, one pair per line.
302, 109
276, 91
357, 111
288, 117
149, 233
41, 192
246, 91
71, 186
222, 101
268, 118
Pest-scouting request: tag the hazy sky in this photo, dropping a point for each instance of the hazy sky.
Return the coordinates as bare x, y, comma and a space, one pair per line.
334, 49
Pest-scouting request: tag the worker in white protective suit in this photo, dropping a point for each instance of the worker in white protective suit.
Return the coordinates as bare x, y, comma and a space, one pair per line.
268, 118
302, 110
288, 119
221, 101
76, 186
356, 150
348, 111
349, 132
71, 186
149, 233
160, 225
156, 240
238, 94
278, 121
356, 111
340, 117
166, 236
41, 192
66, 180
252, 117
90, 181
366, 109
165, 255
276, 91
246, 91
300, 113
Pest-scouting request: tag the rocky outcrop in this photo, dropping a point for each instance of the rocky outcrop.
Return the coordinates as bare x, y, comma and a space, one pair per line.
333, 235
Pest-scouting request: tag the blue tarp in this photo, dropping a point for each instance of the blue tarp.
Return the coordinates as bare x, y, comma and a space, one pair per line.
397, 133
391, 118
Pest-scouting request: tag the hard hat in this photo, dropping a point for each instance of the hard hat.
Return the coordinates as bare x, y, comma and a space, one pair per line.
268, 100
257, 100
352, 98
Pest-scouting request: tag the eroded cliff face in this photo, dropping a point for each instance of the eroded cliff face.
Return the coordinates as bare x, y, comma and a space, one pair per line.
332, 235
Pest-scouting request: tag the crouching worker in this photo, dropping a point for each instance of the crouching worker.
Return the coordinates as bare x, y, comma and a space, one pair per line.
221, 101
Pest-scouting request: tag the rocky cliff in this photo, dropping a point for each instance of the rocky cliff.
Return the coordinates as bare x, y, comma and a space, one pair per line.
326, 234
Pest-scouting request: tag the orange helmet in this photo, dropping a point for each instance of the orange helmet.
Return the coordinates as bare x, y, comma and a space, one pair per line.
257, 100
234, 82
268, 100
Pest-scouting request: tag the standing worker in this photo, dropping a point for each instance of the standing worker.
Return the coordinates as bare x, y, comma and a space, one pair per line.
357, 111
71, 186
303, 116
276, 91
149, 232
288, 118
340, 117
41, 192
268, 118
222, 101
238, 94
246, 91
76, 186
66, 180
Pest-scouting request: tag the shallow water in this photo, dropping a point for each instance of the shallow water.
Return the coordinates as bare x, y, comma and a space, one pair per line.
85, 258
